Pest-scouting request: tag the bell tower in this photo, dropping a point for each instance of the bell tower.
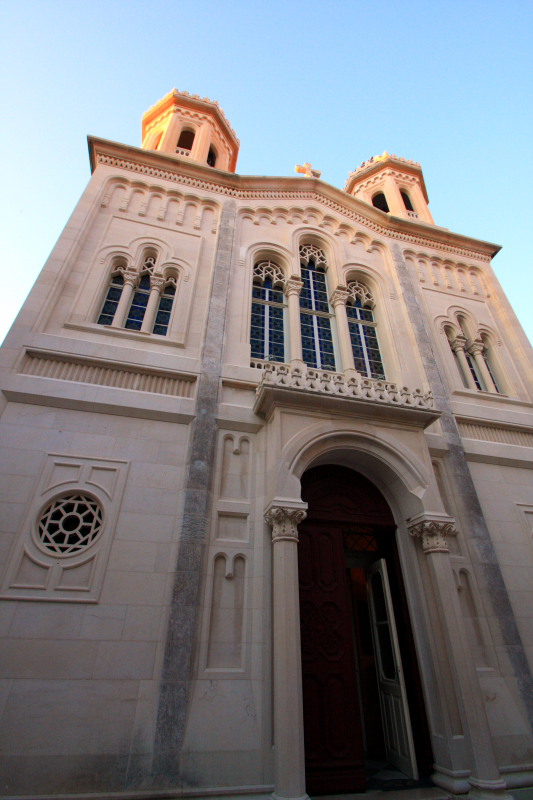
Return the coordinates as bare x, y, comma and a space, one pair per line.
392, 184
191, 127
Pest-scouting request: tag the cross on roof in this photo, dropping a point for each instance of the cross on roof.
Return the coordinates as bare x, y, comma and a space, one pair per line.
307, 170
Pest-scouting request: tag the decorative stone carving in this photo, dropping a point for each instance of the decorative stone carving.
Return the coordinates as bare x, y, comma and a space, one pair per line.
339, 297
476, 348
433, 534
268, 269
284, 522
334, 383
459, 343
357, 290
293, 287
310, 251
130, 277
157, 282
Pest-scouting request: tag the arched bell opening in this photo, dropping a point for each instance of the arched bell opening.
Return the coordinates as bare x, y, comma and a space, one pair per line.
362, 695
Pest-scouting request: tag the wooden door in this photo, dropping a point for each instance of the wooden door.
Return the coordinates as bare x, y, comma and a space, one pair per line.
334, 750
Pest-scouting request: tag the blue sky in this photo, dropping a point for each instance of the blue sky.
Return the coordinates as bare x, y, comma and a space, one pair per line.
448, 85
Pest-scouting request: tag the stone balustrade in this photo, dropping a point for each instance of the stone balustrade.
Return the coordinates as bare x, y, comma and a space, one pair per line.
337, 384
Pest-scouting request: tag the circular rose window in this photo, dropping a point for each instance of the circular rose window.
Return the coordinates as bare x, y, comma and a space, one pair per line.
70, 524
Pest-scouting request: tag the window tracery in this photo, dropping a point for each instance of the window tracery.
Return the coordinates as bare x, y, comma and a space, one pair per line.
69, 524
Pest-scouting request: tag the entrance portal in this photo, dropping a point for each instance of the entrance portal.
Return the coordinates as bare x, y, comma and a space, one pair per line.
355, 699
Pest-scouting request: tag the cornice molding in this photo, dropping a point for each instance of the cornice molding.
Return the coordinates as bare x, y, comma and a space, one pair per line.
188, 173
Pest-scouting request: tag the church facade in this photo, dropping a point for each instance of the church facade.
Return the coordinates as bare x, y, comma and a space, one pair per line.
268, 491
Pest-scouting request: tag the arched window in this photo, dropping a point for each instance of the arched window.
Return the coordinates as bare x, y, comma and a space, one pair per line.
315, 314
380, 201
489, 361
363, 333
141, 303
406, 200
164, 309
186, 140
114, 292
211, 157
267, 336
472, 356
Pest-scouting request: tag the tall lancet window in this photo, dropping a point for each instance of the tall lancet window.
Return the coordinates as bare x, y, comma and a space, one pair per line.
114, 292
137, 310
315, 314
164, 309
363, 333
267, 336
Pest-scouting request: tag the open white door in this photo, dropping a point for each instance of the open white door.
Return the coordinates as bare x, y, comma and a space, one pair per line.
393, 698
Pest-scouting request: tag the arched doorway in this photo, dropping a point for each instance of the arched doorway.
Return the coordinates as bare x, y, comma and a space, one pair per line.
357, 708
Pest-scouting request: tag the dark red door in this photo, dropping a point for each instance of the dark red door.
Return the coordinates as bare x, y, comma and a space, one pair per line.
340, 501
332, 719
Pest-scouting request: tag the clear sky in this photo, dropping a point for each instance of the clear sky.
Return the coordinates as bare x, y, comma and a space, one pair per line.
447, 84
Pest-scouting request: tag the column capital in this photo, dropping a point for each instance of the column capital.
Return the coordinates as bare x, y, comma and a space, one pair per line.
459, 343
130, 276
293, 286
432, 532
339, 296
284, 519
476, 348
157, 282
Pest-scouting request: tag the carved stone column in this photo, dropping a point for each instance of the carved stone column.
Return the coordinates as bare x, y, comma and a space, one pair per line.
157, 283
338, 301
289, 781
130, 281
458, 346
485, 780
293, 287
476, 351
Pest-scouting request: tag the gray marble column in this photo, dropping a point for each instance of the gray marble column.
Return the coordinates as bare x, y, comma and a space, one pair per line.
183, 617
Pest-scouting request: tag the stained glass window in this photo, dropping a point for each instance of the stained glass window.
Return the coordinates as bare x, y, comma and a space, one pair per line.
162, 318
315, 317
138, 304
111, 302
363, 333
267, 335
474, 372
